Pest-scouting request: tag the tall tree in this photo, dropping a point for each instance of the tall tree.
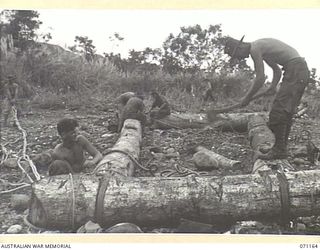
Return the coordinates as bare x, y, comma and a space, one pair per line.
194, 49
22, 24
85, 46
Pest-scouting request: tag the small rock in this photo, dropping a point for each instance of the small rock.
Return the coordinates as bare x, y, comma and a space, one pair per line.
89, 227
306, 220
124, 228
172, 155
157, 156
14, 229
301, 227
299, 161
12, 163
20, 202
170, 151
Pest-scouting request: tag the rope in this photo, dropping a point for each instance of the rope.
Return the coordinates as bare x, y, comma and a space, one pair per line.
103, 186
284, 197
24, 148
5, 154
23, 170
127, 154
15, 189
30, 225
73, 201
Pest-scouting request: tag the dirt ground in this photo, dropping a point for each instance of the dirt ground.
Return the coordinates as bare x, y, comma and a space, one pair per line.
162, 148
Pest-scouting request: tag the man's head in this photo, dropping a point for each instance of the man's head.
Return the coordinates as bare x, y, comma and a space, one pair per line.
237, 48
66, 128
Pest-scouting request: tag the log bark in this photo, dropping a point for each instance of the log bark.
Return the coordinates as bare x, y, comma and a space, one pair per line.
161, 202
259, 134
207, 159
226, 122
73, 199
261, 138
129, 142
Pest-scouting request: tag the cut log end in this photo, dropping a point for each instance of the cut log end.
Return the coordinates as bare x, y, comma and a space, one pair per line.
37, 215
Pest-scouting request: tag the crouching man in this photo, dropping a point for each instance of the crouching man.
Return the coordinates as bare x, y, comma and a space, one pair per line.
69, 156
134, 109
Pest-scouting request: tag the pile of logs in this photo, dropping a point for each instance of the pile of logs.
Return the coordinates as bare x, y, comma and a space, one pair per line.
112, 195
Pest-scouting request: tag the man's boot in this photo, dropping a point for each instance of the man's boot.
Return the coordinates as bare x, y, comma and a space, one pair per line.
279, 150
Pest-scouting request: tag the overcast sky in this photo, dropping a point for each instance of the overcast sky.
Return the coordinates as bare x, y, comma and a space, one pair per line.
149, 28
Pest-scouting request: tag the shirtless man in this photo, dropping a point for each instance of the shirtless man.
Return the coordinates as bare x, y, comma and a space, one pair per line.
134, 109
160, 106
295, 78
68, 156
10, 98
123, 99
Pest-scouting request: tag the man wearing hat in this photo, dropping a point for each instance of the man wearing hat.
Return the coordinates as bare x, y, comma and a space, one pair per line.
10, 96
274, 53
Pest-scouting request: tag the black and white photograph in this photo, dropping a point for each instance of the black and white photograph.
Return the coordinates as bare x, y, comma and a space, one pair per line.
160, 121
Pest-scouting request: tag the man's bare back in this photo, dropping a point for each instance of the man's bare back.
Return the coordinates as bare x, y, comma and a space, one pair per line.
273, 51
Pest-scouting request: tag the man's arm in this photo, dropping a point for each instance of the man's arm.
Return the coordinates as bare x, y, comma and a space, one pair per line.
276, 76
271, 90
154, 104
97, 156
259, 79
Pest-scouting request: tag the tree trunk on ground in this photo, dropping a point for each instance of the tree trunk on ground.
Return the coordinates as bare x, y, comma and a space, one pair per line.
261, 138
207, 159
54, 206
162, 202
259, 134
225, 122
130, 142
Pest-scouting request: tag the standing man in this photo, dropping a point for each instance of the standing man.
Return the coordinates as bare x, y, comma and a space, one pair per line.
295, 79
10, 97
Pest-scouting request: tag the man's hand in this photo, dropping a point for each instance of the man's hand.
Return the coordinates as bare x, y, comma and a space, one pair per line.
89, 163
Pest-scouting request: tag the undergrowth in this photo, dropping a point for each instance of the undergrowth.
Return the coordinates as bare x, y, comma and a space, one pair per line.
58, 79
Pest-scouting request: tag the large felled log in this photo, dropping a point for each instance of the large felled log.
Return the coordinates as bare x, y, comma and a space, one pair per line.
160, 202
225, 122
74, 200
119, 159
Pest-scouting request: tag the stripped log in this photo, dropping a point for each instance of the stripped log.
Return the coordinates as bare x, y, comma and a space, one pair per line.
207, 159
74, 199
260, 136
225, 122
261, 140
119, 158
154, 201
